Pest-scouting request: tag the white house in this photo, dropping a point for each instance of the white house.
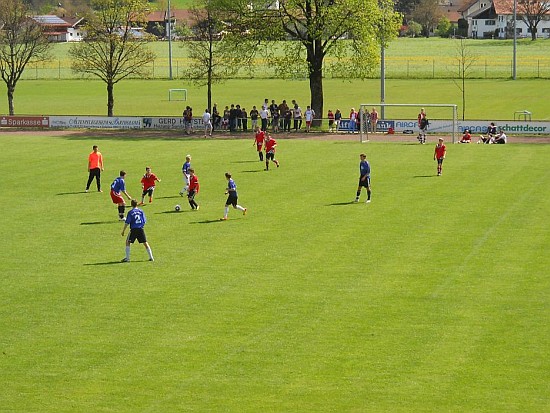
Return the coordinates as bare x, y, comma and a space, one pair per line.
495, 19
61, 29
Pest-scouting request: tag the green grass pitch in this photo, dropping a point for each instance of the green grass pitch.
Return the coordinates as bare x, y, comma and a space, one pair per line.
434, 297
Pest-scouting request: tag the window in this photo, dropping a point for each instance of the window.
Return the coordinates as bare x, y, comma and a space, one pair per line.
546, 29
490, 23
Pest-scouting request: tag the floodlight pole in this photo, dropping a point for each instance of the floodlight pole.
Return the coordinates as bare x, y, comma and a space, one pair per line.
169, 32
515, 41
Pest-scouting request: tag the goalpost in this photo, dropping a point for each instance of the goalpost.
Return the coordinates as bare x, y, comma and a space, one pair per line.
364, 111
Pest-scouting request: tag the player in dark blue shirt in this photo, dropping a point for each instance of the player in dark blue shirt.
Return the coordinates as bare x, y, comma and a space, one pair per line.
118, 187
136, 221
232, 197
364, 178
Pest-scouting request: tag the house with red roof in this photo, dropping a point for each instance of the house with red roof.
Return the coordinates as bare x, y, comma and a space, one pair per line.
495, 19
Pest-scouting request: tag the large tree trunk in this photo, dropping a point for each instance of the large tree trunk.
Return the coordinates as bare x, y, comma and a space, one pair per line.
11, 90
110, 98
316, 85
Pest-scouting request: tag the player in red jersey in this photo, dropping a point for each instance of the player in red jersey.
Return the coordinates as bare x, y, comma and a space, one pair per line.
193, 189
259, 138
439, 155
270, 145
148, 184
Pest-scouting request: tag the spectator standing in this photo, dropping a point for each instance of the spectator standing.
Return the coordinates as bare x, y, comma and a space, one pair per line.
309, 115
264, 117
216, 118
373, 120
352, 120
239, 113
287, 118
330, 116
244, 118
188, 119
297, 115
207, 121
254, 117
136, 220
283, 107
337, 119
95, 166
232, 118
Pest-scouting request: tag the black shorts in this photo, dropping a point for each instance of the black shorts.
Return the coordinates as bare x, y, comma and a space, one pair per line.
364, 182
270, 156
137, 233
231, 200
191, 195
148, 191
440, 160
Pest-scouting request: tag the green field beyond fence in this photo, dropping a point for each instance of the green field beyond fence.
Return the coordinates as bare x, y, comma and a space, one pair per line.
405, 59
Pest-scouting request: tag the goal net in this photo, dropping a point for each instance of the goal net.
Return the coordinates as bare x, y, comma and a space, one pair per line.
403, 118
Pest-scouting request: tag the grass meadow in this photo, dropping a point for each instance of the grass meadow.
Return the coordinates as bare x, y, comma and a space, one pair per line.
434, 297
485, 99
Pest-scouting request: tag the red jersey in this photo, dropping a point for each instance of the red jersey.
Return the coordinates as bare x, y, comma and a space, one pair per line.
260, 137
194, 184
148, 180
440, 150
270, 145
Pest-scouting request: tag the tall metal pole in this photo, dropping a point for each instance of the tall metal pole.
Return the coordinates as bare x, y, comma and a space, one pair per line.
382, 81
515, 41
169, 32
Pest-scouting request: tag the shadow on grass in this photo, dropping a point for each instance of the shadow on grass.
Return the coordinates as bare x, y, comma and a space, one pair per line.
253, 171
424, 176
256, 161
100, 222
208, 221
71, 193
106, 263
343, 203
168, 197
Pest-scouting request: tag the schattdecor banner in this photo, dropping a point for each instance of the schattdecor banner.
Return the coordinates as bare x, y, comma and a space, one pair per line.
96, 122
475, 127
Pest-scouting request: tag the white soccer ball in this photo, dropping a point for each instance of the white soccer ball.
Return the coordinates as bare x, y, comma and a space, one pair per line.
177, 208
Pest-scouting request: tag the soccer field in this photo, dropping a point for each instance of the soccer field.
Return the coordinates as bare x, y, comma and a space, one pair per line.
434, 297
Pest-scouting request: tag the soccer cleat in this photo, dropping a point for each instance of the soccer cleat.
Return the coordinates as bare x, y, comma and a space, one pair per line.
223, 219
151, 259
367, 201
125, 260
85, 190
121, 219
181, 193
356, 200
244, 212
141, 203
150, 201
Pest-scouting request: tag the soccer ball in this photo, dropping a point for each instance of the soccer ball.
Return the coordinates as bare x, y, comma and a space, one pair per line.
177, 208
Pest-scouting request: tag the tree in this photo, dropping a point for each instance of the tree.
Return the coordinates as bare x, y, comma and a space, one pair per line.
112, 49
465, 59
313, 30
213, 51
532, 12
428, 14
22, 41
444, 27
